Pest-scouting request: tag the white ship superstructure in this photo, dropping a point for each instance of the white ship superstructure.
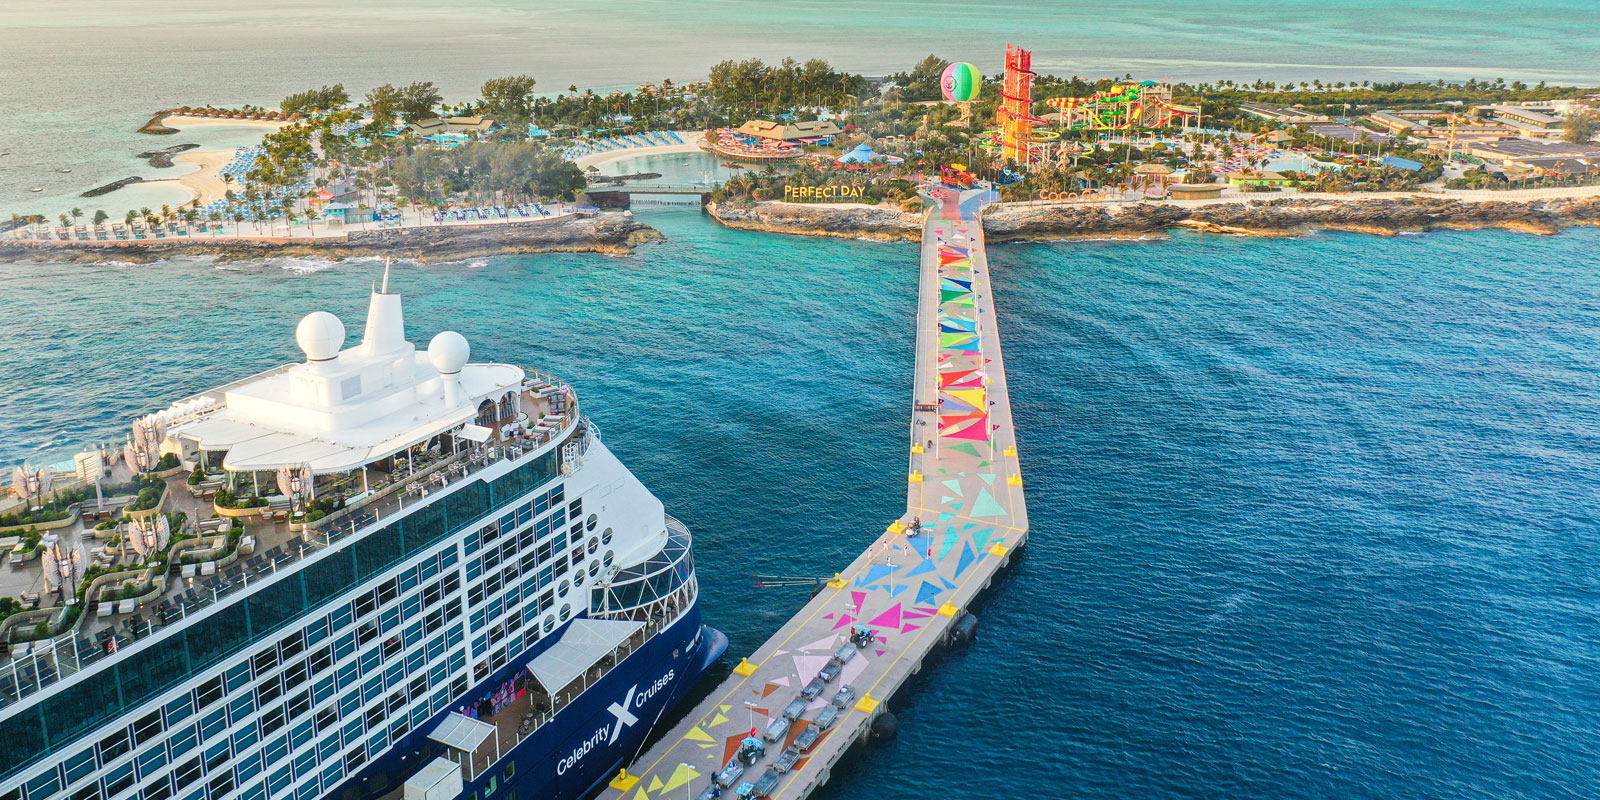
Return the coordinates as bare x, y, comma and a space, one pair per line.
387, 559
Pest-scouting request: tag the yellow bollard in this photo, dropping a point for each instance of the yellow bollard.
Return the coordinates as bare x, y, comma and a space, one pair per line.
948, 610
999, 550
867, 703
745, 668
916, 476
896, 527
1014, 480
838, 582
623, 782
1011, 452
916, 448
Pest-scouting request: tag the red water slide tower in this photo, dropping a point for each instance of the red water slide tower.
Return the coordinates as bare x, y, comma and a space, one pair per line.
1016, 109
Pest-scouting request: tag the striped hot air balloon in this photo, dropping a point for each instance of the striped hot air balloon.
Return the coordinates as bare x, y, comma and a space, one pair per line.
960, 82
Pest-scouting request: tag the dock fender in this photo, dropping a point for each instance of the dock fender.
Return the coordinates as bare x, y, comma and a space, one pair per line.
884, 726
964, 629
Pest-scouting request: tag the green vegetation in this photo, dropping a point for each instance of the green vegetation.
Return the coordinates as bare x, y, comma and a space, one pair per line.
9, 606
517, 169
1222, 98
1580, 127
148, 497
747, 88
52, 510
168, 461
922, 82
1477, 178
311, 101
227, 499
509, 100
197, 475
410, 103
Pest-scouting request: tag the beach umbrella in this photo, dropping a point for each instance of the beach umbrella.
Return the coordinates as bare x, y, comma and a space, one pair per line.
960, 82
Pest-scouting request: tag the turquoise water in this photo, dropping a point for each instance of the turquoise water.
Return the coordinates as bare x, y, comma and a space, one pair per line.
81, 77
1312, 517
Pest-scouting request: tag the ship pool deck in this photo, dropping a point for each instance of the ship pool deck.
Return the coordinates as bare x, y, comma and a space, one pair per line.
964, 515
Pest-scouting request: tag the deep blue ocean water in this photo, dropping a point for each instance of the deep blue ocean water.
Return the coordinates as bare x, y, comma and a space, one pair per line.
1312, 517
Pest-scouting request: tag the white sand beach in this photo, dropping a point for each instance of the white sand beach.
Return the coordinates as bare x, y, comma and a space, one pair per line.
205, 183
691, 144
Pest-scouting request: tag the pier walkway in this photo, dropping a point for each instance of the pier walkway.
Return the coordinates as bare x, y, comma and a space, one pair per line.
964, 516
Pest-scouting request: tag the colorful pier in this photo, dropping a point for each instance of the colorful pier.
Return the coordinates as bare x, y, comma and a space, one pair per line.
964, 517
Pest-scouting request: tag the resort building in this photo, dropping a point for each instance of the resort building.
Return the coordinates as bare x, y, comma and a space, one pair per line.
460, 125
1542, 117
1392, 121
1351, 133
1195, 191
348, 213
1284, 114
1523, 154
821, 129
337, 192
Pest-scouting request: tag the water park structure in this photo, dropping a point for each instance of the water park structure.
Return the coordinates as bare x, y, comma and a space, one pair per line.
1017, 140
1146, 104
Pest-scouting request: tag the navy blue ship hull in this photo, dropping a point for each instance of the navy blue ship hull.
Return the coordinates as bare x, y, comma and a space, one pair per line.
582, 747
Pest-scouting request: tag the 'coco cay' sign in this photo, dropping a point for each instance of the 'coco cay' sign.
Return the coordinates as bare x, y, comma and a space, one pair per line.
822, 192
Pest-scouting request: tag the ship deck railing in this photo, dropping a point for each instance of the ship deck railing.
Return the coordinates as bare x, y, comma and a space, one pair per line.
29, 667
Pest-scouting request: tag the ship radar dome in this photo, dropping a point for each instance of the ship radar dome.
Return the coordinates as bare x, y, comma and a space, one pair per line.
320, 335
449, 352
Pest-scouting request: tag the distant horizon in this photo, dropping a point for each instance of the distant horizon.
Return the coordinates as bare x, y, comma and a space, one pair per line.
91, 77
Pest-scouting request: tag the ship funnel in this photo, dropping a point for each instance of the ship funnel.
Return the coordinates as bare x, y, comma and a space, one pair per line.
386, 329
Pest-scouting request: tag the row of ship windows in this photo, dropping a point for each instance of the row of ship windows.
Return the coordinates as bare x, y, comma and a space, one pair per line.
146, 728
274, 684
410, 679
129, 684
515, 518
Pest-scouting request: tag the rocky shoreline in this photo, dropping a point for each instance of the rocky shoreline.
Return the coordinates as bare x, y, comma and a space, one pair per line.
155, 127
610, 233
161, 159
1273, 218
112, 186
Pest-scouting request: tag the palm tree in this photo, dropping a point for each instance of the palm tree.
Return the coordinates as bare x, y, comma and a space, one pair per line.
132, 215
311, 221
100, 216
76, 213
238, 217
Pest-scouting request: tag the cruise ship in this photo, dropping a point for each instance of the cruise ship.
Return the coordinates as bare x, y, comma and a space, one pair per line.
378, 573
